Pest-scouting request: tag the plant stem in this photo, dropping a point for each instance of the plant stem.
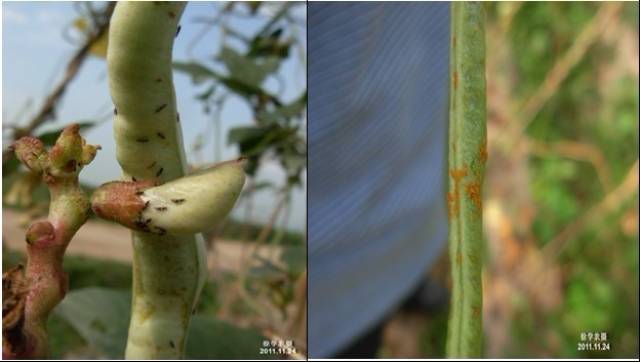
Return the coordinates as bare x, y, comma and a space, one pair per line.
29, 294
467, 158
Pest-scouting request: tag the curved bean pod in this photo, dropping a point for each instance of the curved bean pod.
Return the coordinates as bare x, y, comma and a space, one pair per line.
168, 270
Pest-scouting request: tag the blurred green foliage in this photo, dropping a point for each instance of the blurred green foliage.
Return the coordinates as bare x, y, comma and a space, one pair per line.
278, 128
594, 111
597, 104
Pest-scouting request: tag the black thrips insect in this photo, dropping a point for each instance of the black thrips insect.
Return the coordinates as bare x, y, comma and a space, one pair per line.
160, 108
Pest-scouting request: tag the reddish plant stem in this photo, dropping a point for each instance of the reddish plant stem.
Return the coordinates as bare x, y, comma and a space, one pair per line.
29, 294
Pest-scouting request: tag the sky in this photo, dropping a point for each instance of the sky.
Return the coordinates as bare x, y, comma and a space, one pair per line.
35, 52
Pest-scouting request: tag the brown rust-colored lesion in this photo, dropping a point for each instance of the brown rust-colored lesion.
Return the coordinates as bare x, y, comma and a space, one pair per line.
482, 152
453, 196
474, 188
451, 202
474, 193
457, 175
454, 79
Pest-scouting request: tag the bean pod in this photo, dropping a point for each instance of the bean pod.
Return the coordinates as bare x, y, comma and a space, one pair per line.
467, 158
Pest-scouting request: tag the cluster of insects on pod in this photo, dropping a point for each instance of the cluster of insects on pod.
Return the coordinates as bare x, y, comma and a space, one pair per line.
187, 205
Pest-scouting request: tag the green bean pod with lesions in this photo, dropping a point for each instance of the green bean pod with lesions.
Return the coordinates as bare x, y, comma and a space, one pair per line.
467, 158
168, 270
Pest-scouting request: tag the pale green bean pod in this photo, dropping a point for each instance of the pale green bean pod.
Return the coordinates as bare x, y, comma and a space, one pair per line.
168, 269
467, 158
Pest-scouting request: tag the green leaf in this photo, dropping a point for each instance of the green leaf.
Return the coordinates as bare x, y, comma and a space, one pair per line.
269, 46
198, 72
247, 70
246, 134
283, 113
294, 162
295, 108
100, 316
255, 140
242, 88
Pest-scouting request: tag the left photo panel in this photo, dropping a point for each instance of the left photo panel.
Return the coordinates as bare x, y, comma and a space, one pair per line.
154, 179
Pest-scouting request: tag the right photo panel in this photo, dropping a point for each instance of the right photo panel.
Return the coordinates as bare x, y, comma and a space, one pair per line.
472, 180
